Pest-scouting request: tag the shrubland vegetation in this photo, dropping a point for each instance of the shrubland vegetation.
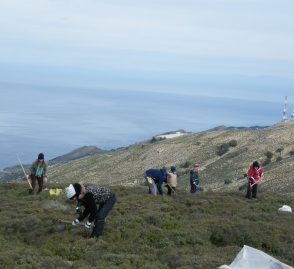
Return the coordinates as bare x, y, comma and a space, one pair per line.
203, 231
272, 147
184, 231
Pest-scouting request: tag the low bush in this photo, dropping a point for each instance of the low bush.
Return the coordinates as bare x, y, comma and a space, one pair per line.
204, 230
222, 149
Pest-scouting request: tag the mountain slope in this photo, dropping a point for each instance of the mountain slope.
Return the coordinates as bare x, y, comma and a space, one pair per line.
126, 166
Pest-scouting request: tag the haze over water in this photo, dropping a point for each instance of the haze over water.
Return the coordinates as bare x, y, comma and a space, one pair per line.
56, 121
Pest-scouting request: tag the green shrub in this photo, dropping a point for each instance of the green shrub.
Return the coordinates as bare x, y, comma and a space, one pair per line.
266, 162
233, 143
186, 164
269, 154
227, 181
279, 159
153, 140
279, 150
222, 149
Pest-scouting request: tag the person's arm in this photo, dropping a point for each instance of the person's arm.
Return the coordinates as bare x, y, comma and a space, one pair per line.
90, 207
159, 186
45, 169
250, 175
30, 171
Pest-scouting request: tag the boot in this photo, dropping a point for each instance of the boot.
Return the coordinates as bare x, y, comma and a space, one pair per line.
31, 192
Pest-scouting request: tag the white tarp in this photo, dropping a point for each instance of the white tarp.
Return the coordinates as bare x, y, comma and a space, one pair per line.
285, 208
251, 258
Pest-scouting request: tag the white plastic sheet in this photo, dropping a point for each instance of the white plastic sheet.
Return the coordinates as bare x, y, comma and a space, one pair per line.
251, 258
285, 208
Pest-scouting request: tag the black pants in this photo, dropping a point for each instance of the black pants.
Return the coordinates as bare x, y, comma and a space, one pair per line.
40, 183
169, 190
253, 189
103, 211
193, 187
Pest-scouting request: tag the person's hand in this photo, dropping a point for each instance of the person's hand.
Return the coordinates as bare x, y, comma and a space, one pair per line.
194, 183
27, 176
88, 225
45, 180
75, 222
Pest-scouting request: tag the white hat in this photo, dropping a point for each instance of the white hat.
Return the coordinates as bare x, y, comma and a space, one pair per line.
70, 191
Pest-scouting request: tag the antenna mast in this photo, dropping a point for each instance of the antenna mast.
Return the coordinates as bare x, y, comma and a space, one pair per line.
285, 111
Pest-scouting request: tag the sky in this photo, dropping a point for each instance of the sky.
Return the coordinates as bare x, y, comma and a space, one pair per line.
213, 47
54, 51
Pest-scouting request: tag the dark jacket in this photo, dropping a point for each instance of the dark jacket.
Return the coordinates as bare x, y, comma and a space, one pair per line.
194, 177
159, 176
94, 195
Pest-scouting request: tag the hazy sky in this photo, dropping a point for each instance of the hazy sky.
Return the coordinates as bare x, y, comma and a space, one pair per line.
208, 47
190, 51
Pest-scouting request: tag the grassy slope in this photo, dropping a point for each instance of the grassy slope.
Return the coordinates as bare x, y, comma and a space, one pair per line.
127, 165
142, 231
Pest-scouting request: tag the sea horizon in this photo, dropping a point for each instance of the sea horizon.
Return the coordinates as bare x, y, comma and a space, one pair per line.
56, 121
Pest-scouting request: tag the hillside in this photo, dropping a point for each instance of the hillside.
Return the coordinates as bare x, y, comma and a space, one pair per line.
125, 166
10, 173
76, 154
178, 232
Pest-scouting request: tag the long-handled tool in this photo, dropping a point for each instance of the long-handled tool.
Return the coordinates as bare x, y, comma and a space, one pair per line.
69, 222
61, 225
24, 171
172, 188
251, 185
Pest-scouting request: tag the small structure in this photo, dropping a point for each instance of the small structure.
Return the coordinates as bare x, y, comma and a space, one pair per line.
292, 116
285, 111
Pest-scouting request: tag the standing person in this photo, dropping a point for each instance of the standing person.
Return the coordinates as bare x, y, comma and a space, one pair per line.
37, 172
255, 172
173, 182
155, 178
89, 196
194, 178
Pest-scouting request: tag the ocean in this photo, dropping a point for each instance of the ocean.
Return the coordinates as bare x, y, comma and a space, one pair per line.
55, 121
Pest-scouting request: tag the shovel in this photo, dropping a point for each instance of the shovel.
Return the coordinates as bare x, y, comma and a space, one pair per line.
23, 171
251, 185
61, 225
172, 189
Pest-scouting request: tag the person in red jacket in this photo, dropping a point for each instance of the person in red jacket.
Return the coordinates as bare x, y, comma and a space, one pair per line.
255, 172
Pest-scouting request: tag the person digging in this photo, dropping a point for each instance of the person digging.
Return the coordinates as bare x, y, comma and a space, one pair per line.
255, 173
89, 197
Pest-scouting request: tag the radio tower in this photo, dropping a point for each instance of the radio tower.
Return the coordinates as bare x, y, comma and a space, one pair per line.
285, 111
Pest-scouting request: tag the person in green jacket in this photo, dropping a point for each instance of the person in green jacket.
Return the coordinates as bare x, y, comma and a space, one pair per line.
38, 172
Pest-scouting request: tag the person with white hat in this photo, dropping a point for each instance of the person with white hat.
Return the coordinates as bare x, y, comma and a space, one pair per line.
194, 178
89, 197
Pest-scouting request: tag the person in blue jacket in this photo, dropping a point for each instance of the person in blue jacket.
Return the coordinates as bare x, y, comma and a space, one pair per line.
155, 178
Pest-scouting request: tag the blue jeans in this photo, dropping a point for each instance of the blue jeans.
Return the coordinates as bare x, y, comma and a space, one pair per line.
102, 213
